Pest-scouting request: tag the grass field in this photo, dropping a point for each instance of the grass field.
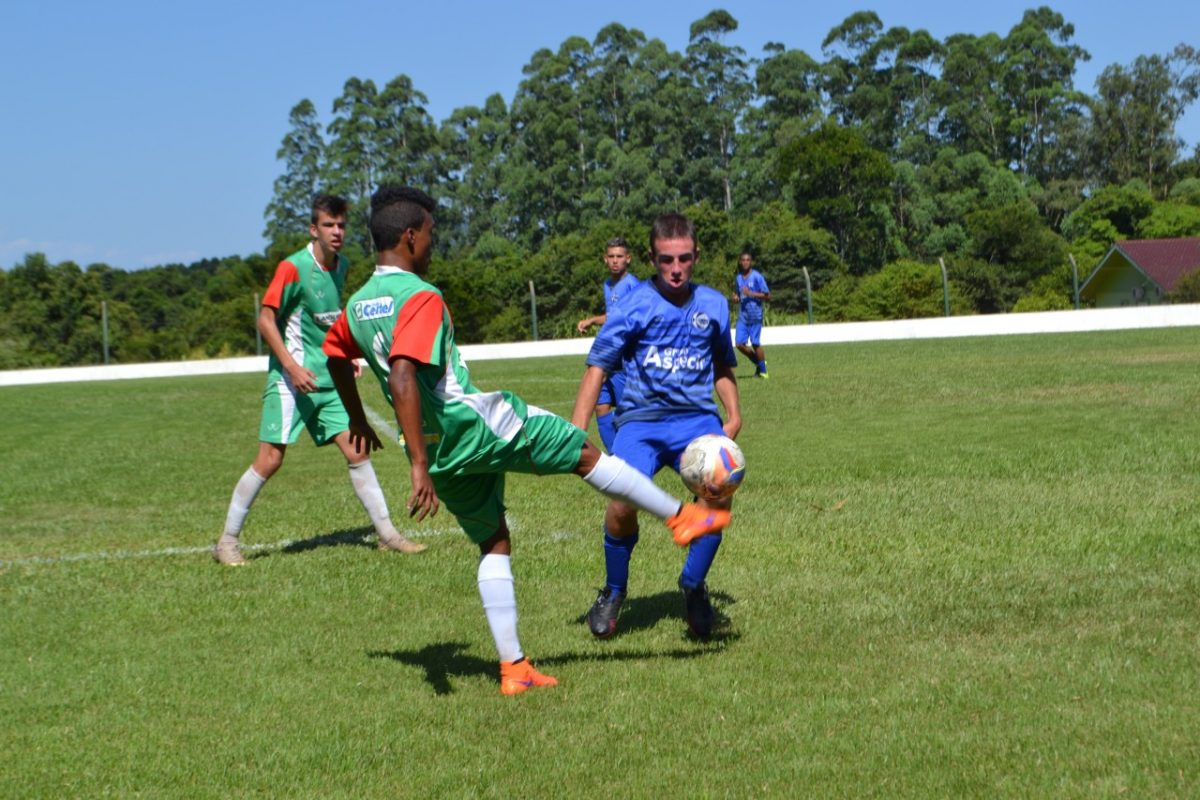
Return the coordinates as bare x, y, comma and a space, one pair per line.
957, 568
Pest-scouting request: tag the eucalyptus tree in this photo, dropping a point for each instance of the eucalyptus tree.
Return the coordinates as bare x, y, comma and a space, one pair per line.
301, 152
1134, 117
352, 155
721, 73
788, 89
474, 143
548, 171
1037, 88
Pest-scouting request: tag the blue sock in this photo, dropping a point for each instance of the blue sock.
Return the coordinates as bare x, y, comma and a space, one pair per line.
608, 429
762, 366
701, 553
617, 553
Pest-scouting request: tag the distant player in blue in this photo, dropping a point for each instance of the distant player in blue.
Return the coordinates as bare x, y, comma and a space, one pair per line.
750, 290
671, 338
619, 285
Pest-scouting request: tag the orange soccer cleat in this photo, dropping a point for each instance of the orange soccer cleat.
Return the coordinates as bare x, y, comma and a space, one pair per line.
694, 520
517, 676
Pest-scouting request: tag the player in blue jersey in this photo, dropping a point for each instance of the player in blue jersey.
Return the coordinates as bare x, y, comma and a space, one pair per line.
619, 285
671, 338
750, 290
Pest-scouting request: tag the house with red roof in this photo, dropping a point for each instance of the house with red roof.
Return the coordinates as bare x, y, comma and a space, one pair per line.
1140, 272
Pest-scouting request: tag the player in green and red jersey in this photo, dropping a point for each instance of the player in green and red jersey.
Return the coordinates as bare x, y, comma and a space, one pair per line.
303, 300
460, 440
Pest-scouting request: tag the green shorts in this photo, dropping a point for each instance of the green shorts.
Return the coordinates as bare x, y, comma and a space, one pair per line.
286, 412
547, 445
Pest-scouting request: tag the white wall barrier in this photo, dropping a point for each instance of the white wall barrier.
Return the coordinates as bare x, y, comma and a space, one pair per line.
1108, 319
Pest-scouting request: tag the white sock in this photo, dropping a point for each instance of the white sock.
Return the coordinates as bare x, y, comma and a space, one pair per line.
500, 604
617, 479
243, 497
370, 494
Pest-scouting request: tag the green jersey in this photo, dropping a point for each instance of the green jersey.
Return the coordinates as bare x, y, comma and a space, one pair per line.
397, 314
307, 301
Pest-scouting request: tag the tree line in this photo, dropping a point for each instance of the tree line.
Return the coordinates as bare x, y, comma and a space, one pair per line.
862, 167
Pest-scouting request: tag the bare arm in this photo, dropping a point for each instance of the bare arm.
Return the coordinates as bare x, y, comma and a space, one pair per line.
302, 378
588, 322
406, 400
726, 386
362, 435
585, 398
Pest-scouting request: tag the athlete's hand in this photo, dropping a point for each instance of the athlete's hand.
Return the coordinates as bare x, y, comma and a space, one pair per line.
423, 502
732, 428
302, 378
363, 437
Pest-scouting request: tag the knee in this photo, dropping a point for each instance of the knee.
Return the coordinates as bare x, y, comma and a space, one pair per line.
620, 520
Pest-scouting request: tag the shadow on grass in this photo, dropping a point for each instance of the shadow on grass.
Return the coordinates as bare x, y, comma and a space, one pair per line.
646, 612
441, 662
357, 537
446, 660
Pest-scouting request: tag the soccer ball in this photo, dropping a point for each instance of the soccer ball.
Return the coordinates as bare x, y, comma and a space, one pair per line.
712, 466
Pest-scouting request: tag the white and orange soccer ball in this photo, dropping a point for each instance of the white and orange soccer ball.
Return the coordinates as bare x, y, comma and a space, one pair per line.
712, 466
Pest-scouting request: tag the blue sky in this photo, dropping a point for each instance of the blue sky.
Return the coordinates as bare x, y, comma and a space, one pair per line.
140, 133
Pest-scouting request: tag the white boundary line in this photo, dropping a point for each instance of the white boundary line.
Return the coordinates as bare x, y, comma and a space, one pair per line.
120, 555
1105, 319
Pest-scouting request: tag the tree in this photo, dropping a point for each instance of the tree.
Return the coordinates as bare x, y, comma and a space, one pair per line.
788, 84
475, 142
1036, 84
1134, 114
352, 157
406, 137
973, 118
844, 185
1014, 247
720, 72
301, 152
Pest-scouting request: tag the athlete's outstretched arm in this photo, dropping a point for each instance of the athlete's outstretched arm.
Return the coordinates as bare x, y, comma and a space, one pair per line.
585, 398
726, 385
406, 400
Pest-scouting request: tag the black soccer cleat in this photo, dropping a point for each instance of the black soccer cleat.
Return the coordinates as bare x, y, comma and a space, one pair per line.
700, 614
602, 616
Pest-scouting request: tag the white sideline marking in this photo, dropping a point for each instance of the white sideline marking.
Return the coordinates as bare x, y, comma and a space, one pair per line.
378, 421
119, 555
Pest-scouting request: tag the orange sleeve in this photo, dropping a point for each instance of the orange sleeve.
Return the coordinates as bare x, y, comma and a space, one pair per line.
419, 329
338, 341
285, 274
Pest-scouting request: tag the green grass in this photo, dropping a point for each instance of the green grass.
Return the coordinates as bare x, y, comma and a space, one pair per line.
958, 568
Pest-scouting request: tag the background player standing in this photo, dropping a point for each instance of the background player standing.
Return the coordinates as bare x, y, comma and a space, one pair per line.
303, 300
750, 290
618, 285
671, 337
461, 441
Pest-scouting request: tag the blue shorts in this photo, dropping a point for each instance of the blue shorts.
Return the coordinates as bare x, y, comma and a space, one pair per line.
612, 389
650, 445
748, 331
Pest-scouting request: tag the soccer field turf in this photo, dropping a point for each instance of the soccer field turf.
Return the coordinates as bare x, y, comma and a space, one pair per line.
957, 568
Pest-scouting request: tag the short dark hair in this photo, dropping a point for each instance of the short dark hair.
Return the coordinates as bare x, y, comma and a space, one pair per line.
331, 204
617, 241
672, 226
395, 209
746, 251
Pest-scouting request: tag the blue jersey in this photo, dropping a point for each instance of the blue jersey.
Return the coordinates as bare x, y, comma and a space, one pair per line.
752, 309
667, 352
614, 293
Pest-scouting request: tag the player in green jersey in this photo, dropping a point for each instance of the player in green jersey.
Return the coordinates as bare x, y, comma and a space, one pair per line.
460, 440
303, 300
